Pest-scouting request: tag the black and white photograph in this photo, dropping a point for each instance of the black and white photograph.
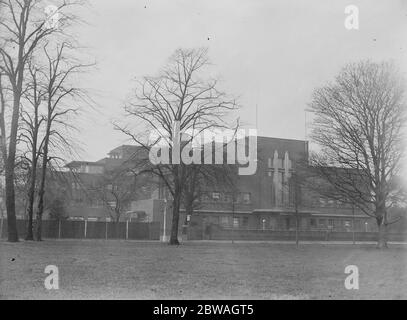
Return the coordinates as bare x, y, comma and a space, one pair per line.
191, 150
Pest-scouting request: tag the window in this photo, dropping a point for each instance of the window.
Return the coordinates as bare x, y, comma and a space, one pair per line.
205, 197
273, 195
226, 197
235, 222
303, 223
246, 197
76, 186
283, 189
245, 221
263, 224
76, 218
215, 196
287, 223
322, 222
224, 220
313, 223
214, 220
95, 203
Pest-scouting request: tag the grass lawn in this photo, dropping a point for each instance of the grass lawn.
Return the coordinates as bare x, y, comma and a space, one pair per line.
151, 270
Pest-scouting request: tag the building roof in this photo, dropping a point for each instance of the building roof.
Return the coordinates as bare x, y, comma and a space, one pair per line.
125, 148
128, 151
74, 164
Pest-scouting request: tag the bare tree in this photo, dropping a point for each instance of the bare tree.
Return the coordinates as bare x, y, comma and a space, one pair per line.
29, 133
178, 98
62, 101
116, 190
359, 126
23, 28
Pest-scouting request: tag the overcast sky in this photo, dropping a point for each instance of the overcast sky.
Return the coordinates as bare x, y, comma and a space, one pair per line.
269, 53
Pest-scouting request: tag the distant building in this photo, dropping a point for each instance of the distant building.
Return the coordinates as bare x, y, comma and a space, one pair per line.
264, 201
86, 167
89, 185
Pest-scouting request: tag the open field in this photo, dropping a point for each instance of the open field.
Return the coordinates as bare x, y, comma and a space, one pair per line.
200, 270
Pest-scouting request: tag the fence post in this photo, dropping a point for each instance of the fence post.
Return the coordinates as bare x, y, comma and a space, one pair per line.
86, 226
106, 230
127, 229
59, 229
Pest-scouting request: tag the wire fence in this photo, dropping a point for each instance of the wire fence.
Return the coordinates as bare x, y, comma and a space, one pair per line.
84, 229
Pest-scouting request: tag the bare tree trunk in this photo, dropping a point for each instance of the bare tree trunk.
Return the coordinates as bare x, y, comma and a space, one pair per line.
9, 172
41, 191
10, 203
116, 224
9, 168
31, 196
382, 234
175, 218
40, 209
3, 140
297, 227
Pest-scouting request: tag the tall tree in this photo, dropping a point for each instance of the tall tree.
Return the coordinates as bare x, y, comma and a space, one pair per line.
30, 134
178, 100
62, 102
359, 126
23, 28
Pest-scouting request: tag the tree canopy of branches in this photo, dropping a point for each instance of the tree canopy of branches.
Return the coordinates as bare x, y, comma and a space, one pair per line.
179, 94
24, 27
62, 100
116, 190
201, 177
359, 126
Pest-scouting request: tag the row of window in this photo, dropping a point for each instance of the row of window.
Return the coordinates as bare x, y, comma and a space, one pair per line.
242, 197
288, 223
227, 221
336, 223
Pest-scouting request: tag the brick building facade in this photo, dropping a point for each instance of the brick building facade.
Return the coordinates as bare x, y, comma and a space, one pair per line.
263, 201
